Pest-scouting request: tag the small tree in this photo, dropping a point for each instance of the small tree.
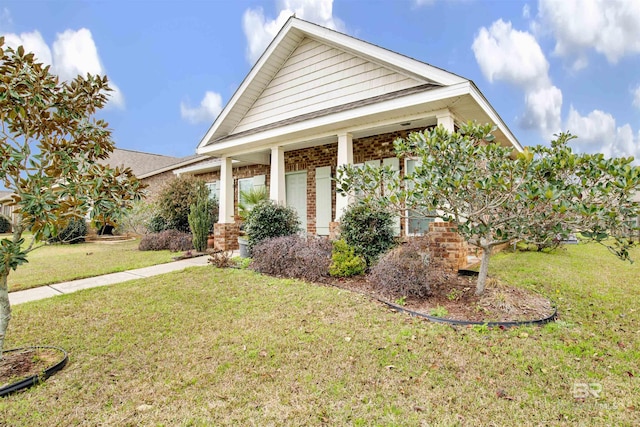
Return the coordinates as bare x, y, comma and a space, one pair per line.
50, 144
175, 200
495, 195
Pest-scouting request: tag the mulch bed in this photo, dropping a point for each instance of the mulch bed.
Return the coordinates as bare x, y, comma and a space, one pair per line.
19, 365
456, 297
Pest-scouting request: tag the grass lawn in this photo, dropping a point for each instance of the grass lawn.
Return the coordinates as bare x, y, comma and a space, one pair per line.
59, 263
227, 347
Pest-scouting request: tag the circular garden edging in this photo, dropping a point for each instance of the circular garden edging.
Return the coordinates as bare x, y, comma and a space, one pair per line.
37, 378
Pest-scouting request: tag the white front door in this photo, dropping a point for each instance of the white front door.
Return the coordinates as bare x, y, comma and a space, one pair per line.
296, 194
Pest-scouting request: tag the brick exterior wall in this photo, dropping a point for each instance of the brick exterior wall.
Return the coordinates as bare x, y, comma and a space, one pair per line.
447, 246
155, 185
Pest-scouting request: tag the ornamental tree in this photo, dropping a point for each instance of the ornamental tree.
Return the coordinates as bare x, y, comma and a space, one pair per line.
50, 145
495, 195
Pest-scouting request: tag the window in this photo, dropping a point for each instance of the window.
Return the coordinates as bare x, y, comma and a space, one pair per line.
214, 189
416, 224
248, 184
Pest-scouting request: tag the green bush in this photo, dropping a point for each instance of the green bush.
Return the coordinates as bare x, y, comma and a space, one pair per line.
369, 230
344, 261
174, 204
268, 220
200, 220
5, 224
73, 233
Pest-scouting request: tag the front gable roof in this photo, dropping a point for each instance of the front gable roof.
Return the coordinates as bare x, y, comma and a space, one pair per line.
281, 86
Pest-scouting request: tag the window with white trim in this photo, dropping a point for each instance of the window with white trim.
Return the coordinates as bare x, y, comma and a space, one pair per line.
416, 224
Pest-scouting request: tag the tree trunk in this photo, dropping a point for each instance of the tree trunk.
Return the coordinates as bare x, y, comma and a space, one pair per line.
484, 269
5, 308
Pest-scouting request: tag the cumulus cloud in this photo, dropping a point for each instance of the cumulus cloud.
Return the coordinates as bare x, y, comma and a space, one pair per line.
207, 111
610, 27
504, 53
598, 132
32, 42
73, 53
261, 30
636, 97
543, 111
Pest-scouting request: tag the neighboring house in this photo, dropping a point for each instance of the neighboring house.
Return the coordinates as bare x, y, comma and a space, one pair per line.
6, 205
318, 99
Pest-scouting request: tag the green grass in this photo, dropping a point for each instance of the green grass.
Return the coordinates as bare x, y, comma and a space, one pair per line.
59, 263
228, 347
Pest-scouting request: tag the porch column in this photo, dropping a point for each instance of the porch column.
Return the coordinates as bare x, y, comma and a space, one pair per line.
445, 118
277, 183
225, 215
345, 157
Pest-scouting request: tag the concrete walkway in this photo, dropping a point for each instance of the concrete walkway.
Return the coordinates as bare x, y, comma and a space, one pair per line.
108, 279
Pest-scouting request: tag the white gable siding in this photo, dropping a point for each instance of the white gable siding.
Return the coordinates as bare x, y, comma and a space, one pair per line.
317, 76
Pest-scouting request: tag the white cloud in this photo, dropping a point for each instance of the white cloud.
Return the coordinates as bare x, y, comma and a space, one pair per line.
543, 111
74, 52
207, 111
636, 96
420, 3
260, 30
32, 42
598, 132
506, 54
526, 11
510, 55
610, 27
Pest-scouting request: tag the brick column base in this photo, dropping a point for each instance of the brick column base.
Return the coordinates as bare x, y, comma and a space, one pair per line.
446, 246
226, 236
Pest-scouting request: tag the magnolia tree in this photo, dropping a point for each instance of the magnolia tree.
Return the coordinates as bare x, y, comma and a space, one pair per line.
50, 145
496, 195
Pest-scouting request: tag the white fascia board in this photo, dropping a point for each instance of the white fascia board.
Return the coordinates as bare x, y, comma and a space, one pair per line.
255, 70
391, 59
491, 112
334, 121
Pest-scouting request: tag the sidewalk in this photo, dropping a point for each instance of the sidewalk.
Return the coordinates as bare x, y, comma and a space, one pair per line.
42, 292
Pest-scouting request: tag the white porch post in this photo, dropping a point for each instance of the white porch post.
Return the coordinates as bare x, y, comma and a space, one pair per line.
345, 157
225, 215
276, 182
445, 118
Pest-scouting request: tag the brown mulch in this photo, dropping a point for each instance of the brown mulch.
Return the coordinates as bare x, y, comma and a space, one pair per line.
18, 365
456, 295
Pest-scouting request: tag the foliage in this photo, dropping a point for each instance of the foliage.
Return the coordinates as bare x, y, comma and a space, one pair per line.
267, 220
5, 224
293, 256
222, 259
50, 144
495, 195
174, 204
403, 272
368, 229
74, 232
200, 220
250, 198
173, 240
137, 220
157, 224
344, 261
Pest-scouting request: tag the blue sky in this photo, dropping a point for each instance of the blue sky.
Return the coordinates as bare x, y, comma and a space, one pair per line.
546, 65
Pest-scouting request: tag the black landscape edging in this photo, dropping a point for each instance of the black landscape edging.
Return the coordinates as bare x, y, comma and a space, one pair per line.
34, 379
511, 324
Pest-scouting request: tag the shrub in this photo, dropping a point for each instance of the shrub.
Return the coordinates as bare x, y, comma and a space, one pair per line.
175, 200
268, 220
73, 233
5, 224
404, 272
199, 221
344, 261
293, 256
172, 240
157, 224
368, 230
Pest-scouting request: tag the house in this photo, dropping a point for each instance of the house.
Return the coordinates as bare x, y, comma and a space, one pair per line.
318, 99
